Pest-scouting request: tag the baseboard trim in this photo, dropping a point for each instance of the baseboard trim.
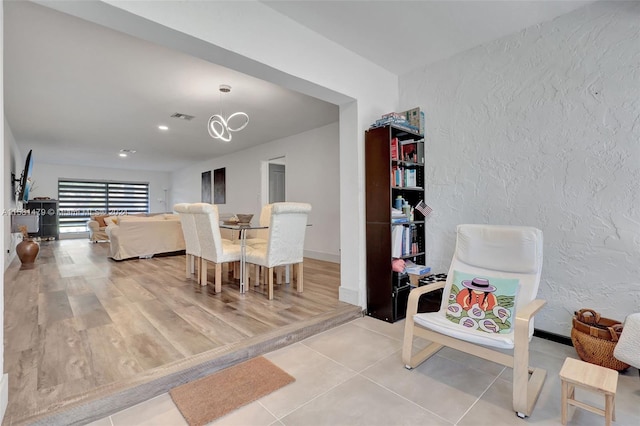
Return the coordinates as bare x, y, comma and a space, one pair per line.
558, 338
4, 396
348, 295
318, 255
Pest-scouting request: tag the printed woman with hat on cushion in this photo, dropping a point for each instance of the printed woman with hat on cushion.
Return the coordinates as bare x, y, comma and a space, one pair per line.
478, 291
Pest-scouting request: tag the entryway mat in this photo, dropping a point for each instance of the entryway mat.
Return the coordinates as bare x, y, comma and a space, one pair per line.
213, 396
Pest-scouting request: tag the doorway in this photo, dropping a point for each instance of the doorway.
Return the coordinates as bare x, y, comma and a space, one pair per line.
276, 183
274, 180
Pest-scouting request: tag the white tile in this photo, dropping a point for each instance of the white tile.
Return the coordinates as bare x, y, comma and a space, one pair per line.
106, 421
252, 414
314, 374
394, 330
361, 402
353, 346
496, 404
471, 361
157, 411
440, 385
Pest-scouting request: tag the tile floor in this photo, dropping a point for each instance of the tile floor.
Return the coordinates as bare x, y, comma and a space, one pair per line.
353, 375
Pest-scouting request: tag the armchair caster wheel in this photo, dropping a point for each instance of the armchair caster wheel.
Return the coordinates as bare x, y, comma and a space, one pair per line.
521, 415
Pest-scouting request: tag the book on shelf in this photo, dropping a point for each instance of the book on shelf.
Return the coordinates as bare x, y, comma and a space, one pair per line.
417, 269
420, 153
409, 151
394, 148
399, 176
397, 220
406, 240
411, 178
415, 117
396, 241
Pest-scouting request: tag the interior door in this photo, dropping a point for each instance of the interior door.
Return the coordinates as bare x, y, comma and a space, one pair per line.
276, 183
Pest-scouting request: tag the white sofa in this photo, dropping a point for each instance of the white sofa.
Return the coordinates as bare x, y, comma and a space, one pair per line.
132, 236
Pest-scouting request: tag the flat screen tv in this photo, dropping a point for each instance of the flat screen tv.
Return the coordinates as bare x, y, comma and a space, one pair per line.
25, 179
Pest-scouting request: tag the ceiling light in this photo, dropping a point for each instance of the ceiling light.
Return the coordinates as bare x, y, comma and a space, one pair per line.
126, 152
163, 127
182, 116
220, 127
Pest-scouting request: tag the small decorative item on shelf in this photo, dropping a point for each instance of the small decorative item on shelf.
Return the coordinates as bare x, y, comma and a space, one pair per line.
27, 250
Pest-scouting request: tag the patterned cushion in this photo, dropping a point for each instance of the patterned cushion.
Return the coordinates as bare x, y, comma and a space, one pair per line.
100, 220
482, 303
111, 220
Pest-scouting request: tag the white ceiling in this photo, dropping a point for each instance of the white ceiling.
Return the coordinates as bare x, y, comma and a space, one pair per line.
402, 35
77, 93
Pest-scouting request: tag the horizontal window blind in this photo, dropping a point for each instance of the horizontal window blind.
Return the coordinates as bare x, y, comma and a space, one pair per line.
79, 199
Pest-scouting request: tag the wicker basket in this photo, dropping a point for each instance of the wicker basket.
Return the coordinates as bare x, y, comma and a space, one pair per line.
595, 338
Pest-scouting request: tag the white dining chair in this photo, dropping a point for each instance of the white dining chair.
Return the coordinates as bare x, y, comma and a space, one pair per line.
192, 243
212, 247
261, 235
285, 242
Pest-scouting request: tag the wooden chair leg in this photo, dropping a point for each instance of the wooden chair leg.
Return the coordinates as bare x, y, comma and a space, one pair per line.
203, 272
270, 280
218, 282
299, 277
236, 270
189, 260
257, 272
279, 275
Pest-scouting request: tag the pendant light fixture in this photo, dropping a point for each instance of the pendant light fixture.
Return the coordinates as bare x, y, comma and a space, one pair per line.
221, 128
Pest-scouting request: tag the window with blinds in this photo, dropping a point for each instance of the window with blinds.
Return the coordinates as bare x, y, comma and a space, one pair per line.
80, 199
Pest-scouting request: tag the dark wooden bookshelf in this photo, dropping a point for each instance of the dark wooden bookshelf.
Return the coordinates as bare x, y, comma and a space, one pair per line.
386, 298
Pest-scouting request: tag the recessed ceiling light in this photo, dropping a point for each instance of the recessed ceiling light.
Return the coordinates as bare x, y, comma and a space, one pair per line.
123, 154
126, 152
163, 127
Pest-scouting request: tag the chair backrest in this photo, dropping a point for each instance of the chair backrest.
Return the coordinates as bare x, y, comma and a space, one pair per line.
189, 231
265, 220
501, 252
287, 228
208, 229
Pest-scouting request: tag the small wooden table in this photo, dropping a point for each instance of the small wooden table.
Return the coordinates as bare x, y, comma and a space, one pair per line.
591, 377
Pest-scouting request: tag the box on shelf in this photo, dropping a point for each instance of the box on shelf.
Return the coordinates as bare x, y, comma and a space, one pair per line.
415, 117
414, 279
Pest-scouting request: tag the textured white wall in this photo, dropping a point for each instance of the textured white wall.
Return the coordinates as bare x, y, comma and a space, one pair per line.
542, 128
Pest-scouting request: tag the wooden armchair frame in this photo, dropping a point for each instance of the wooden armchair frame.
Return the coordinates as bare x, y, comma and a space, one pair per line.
527, 381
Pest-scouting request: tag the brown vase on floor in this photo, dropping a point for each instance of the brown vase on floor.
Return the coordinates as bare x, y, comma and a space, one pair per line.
27, 251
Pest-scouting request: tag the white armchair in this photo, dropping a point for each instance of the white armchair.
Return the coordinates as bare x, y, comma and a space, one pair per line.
489, 301
97, 229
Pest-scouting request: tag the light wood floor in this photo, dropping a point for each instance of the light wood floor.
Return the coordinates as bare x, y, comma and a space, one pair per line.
79, 325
